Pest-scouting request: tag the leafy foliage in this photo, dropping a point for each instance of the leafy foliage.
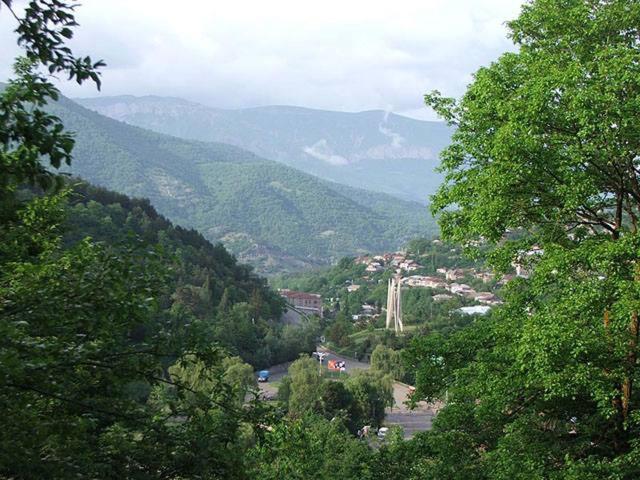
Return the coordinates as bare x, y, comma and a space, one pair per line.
357, 401
205, 286
545, 137
387, 361
89, 328
28, 132
546, 153
311, 447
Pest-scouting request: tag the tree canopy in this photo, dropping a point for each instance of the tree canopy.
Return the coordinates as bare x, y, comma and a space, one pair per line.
90, 327
546, 137
546, 155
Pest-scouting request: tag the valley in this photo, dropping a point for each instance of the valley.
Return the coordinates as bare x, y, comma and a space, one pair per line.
270, 215
275, 292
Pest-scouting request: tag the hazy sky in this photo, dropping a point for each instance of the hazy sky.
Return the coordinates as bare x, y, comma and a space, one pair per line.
343, 55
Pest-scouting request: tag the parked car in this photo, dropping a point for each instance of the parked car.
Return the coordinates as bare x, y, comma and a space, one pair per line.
382, 432
263, 376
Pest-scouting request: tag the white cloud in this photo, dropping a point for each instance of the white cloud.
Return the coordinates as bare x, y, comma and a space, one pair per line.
354, 55
396, 139
322, 151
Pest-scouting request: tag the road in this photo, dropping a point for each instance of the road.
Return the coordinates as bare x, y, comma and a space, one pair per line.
269, 390
412, 421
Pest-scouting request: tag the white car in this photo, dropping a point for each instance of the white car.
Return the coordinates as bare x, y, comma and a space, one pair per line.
382, 432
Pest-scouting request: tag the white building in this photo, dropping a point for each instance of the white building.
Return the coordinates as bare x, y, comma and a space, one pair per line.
475, 310
487, 298
374, 267
409, 266
461, 289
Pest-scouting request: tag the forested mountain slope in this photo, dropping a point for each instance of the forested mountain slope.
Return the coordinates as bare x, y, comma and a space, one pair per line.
375, 150
204, 283
271, 215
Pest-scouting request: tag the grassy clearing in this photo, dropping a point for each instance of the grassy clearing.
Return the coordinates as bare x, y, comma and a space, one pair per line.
361, 336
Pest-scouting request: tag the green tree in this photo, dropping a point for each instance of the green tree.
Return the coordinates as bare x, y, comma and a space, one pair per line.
75, 369
387, 361
28, 131
546, 153
338, 403
311, 447
338, 332
239, 376
200, 377
82, 340
545, 137
372, 392
236, 331
306, 387
284, 391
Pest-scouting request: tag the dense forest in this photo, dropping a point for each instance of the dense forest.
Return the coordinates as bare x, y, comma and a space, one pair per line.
124, 339
205, 283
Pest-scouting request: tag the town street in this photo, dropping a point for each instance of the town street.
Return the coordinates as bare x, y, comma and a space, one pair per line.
412, 421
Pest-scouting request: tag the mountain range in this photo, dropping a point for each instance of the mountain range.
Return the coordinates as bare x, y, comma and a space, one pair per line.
373, 150
269, 214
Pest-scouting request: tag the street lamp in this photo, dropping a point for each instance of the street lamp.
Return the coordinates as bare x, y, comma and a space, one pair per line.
320, 356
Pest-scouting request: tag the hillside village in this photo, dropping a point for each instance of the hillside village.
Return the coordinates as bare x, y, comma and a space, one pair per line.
437, 280
445, 283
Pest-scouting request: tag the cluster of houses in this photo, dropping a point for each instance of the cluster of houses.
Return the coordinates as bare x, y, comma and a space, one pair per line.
397, 260
448, 282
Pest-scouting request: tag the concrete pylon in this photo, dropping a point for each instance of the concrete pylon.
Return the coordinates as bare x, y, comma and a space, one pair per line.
394, 304
390, 303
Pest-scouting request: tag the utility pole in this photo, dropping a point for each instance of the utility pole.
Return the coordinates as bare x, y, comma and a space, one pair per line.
320, 356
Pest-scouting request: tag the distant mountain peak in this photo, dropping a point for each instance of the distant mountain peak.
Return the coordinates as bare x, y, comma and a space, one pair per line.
374, 149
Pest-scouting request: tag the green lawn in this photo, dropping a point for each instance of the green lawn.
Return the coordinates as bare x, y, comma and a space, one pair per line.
359, 337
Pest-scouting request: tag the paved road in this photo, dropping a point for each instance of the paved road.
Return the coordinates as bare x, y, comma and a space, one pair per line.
352, 364
412, 421
269, 390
